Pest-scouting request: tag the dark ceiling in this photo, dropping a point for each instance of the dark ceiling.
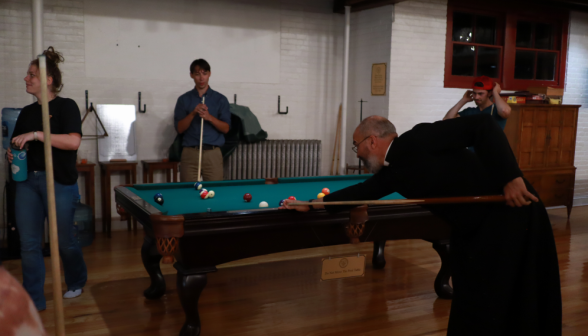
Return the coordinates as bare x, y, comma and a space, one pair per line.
359, 5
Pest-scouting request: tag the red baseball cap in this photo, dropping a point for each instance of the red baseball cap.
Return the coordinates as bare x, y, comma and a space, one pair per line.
483, 83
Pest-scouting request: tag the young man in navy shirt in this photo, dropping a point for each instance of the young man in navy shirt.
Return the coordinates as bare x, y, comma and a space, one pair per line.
483, 90
202, 104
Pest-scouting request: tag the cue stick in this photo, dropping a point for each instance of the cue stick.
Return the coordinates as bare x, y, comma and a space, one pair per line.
201, 133
339, 126
441, 200
55, 271
336, 140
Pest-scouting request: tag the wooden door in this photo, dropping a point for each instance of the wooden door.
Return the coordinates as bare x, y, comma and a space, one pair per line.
554, 138
533, 142
568, 136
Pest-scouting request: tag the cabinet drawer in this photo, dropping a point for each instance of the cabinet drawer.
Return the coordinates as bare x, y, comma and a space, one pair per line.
555, 197
535, 181
557, 181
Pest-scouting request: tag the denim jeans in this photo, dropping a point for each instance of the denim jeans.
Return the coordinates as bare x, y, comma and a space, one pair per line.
31, 211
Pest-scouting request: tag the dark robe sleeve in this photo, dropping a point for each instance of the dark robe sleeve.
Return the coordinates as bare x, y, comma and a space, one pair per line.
373, 188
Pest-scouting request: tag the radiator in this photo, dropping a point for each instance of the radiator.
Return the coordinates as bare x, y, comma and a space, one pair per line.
274, 158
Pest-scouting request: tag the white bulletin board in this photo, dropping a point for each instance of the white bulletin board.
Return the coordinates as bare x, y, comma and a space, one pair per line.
119, 121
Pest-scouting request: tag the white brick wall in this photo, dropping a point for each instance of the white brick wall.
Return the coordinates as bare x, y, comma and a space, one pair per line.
417, 68
369, 43
310, 76
417, 64
576, 92
15, 54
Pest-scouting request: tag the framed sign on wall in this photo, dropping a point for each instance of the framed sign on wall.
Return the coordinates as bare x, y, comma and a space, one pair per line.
379, 79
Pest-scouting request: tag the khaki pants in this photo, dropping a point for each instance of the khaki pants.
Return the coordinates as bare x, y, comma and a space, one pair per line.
212, 165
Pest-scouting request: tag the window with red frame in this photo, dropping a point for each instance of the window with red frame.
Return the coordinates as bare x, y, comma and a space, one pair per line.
517, 50
476, 45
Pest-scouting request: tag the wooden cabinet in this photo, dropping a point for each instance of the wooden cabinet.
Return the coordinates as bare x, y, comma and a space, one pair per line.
543, 139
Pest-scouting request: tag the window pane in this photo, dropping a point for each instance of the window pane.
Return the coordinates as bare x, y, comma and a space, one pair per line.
488, 62
546, 66
524, 64
543, 36
462, 27
524, 34
463, 60
485, 30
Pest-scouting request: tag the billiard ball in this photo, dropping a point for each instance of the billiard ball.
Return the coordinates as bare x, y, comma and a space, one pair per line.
292, 198
326, 191
203, 190
203, 194
247, 197
321, 195
158, 198
211, 194
197, 185
263, 205
281, 203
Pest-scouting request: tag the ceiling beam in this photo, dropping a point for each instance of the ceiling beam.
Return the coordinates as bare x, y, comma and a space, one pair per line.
359, 5
575, 5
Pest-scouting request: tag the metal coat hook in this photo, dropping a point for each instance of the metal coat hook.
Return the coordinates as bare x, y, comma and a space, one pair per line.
279, 112
235, 98
144, 106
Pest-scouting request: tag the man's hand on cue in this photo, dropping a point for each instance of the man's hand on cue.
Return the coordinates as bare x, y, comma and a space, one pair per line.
199, 108
517, 195
203, 112
302, 208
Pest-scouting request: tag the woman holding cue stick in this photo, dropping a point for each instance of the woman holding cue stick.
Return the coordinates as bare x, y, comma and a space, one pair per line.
51, 127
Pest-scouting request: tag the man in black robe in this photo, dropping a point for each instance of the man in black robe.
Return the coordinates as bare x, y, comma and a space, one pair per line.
504, 263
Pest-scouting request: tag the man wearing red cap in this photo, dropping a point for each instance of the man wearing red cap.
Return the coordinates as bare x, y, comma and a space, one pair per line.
483, 90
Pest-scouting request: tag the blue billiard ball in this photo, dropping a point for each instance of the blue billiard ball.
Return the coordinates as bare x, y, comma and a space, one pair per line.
158, 198
197, 185
281, 202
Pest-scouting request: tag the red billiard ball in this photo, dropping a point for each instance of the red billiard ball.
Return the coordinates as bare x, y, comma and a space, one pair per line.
247, 197
292, 198
326, 191
203, 194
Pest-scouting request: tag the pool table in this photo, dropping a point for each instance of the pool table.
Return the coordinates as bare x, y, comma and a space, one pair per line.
203, 233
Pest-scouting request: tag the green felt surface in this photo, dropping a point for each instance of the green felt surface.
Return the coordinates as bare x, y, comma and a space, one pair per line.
182, 198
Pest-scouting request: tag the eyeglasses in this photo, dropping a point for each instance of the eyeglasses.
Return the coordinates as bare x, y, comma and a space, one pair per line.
354, 148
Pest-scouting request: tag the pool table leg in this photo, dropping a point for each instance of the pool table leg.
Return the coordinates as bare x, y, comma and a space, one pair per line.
151, 259
378, 260
442, 287
190, 286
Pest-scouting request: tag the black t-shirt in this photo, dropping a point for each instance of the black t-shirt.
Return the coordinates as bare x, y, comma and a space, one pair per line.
65, 118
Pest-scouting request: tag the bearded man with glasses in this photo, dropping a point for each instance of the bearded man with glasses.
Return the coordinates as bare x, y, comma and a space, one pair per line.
504, 262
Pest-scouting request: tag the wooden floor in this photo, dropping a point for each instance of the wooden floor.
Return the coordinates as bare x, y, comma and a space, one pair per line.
281, 295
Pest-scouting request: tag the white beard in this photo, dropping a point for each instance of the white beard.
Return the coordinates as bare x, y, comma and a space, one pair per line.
372, 164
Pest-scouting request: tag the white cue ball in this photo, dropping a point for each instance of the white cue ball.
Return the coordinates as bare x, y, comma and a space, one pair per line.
211, 194
263, 204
